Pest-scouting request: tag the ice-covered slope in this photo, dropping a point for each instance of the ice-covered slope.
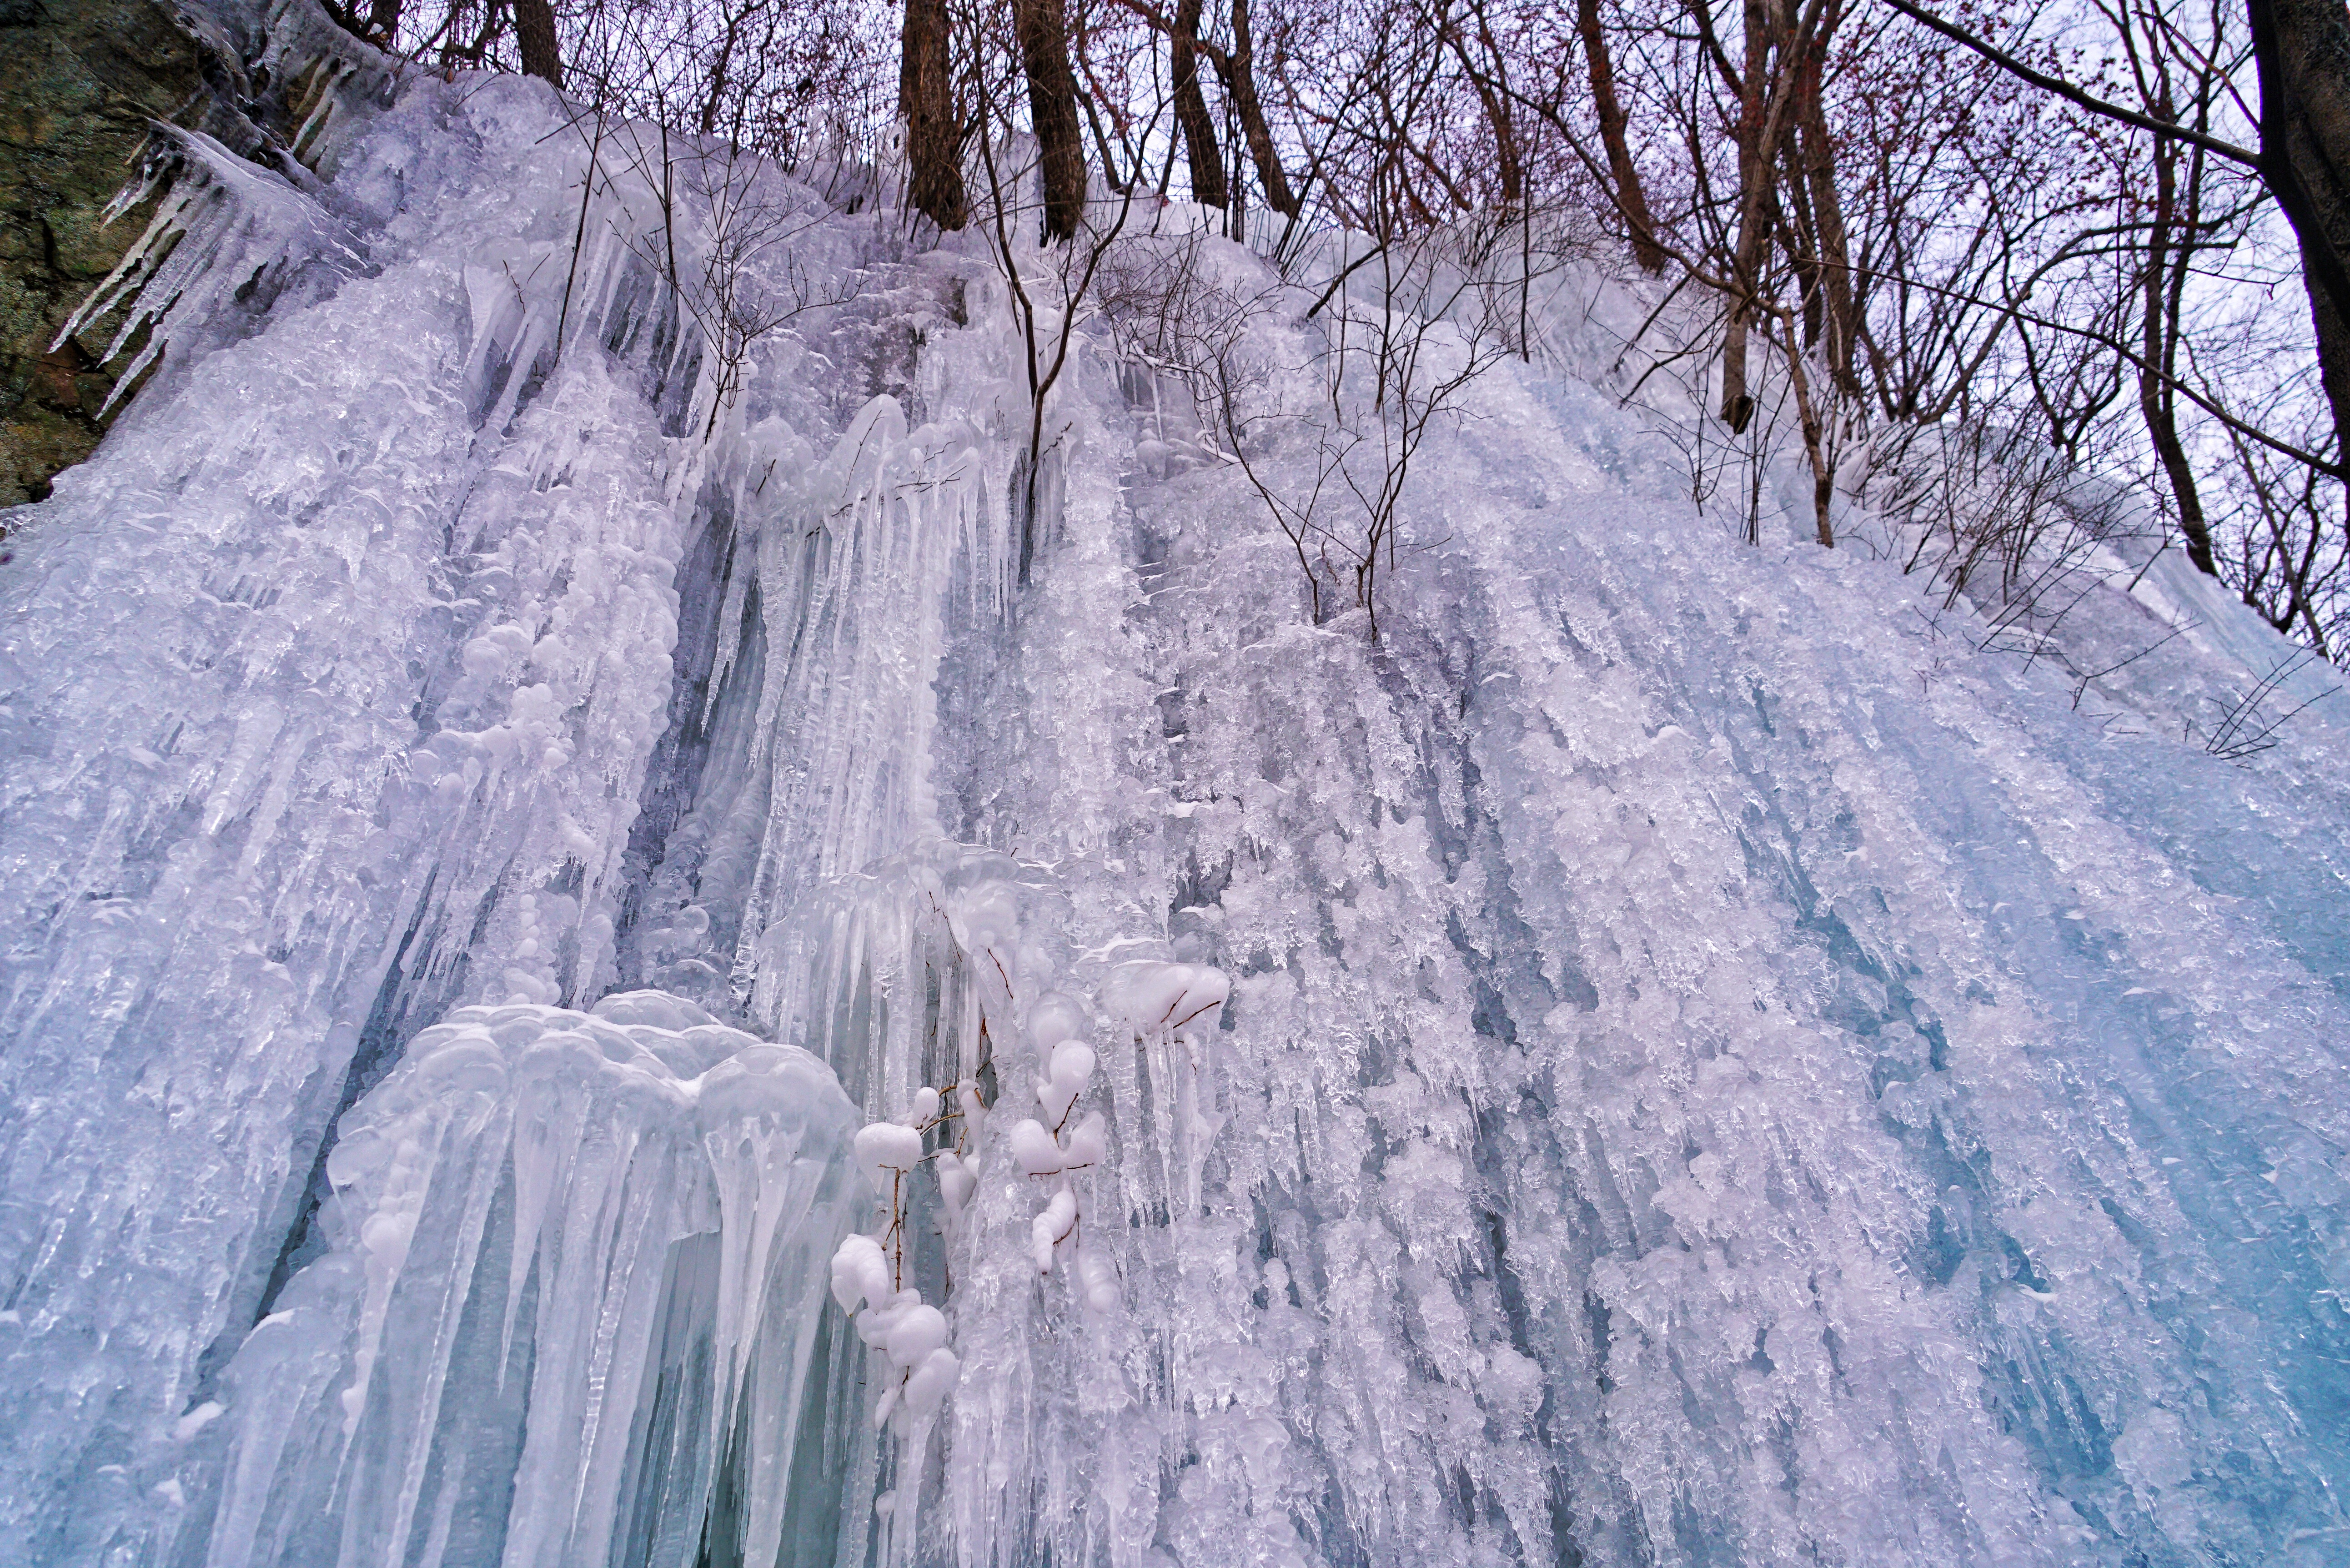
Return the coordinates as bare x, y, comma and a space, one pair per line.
1717, 1069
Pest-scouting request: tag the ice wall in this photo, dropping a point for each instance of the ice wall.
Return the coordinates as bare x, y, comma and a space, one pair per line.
1725, 1062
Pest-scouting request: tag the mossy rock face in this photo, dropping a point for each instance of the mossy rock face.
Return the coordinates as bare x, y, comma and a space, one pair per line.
83, 78
81, 84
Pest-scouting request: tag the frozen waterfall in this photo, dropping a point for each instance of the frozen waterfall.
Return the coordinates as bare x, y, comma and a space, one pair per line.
1679, 1052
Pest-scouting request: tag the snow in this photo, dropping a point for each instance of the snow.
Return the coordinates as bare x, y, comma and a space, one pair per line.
886, 1150
1067, 1071
1176, 998
1034, 1149
529, 869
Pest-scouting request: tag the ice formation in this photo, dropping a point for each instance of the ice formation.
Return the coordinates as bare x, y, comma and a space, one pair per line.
572, 1312
1681, 1052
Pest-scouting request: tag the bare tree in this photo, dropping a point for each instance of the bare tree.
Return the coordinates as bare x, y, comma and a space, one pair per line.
1630, 192
1393, 346
1866, 231
741, 281
2303, 51
1236, 74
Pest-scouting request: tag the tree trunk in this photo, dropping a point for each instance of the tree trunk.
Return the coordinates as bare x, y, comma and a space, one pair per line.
1631, 199
926, 98
1756, 155
534, 36
714, 101
1799, 237
1492, 90
1832, 254
1191, 109
383, 21
2158, 353
1240, 80
2303, 48
1052, 110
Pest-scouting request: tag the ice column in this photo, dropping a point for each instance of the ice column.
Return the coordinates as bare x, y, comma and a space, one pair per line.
571, 1311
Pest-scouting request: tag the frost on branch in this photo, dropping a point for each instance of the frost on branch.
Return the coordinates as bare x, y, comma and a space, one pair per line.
1177, 999
918, 967
907, 1335
1052, 1152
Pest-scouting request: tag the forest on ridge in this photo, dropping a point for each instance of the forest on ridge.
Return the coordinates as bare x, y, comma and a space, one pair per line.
2106, 237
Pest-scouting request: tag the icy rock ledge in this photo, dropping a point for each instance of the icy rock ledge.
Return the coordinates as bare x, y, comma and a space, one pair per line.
577, 1276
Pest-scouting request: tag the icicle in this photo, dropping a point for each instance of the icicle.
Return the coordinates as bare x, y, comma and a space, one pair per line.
1172, 1010
226, 226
